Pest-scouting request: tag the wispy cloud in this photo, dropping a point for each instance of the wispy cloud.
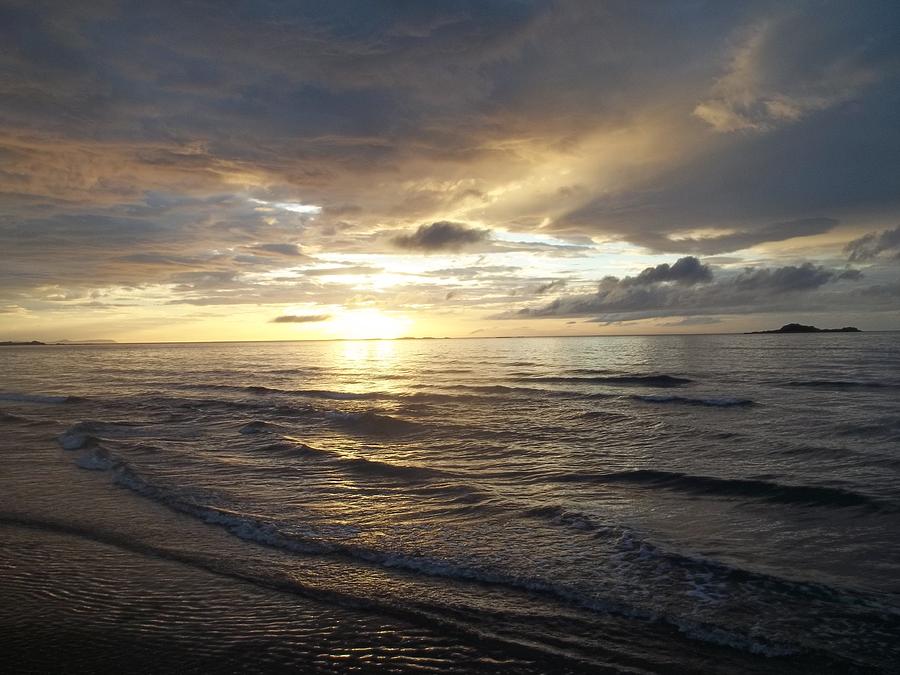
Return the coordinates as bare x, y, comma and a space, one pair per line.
874, 245
301, 318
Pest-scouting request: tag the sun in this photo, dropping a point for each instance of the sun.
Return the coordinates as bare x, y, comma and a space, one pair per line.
368, 324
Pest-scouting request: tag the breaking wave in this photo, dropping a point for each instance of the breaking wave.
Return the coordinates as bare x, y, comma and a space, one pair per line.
371, 422
291, 447
340, 540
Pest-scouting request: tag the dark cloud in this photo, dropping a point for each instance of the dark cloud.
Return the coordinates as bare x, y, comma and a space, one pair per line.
655, 293
793, 64
874, 244
301, 318
686, 271
850, 275
551, 286
784, 279
441, 236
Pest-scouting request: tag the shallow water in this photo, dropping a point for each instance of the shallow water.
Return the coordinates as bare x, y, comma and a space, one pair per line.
646, 503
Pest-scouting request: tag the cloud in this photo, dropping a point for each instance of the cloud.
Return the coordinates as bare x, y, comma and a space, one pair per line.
784, 69
693, 321
735, 241
279, 249
164, 260
341, 270
190, 155
686, 271
658, 292
850, 275
551, 286
441, 236
874, 244
301, 318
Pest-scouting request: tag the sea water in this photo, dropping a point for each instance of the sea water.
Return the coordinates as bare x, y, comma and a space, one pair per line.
644, 504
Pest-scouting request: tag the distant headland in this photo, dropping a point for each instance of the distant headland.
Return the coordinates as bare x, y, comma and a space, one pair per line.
800, 328
10, 343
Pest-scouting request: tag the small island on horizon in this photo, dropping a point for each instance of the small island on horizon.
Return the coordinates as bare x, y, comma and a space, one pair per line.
18, 343
801, 328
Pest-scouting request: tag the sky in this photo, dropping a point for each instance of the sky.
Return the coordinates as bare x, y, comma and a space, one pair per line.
273, 170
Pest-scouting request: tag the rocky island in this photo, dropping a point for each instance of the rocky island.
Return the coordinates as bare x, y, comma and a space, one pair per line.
800, 328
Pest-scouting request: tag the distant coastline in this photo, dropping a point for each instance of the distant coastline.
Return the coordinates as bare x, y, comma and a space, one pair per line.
73, 343
19, 343
800, 328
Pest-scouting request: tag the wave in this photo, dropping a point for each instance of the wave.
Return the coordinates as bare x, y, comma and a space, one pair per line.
99, 459
624, 380
488, 388
505, 390
374, 467
309, 393
281, 409
560, 515
715, 401
76, 438
437, 397
330, 394
607, 416
414, 613
640, 556
811, 495
292, 447
82, 437
340, 395
296, 371
256, 427
371, 422
17, 397
306, 540
9, 418
842, 384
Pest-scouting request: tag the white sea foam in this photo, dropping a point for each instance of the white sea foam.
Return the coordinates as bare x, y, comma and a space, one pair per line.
75, 440
97, 460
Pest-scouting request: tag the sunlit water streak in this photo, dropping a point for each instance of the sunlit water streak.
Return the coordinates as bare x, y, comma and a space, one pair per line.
652, 503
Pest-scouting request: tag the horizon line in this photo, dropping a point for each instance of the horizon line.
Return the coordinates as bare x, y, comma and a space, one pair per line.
106, 343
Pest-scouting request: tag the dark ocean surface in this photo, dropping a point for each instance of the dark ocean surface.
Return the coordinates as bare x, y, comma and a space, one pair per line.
640, 504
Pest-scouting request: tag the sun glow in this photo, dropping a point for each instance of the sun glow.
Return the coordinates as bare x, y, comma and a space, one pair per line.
366, 324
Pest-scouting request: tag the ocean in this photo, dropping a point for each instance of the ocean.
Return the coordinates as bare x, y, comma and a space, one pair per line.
714, 503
